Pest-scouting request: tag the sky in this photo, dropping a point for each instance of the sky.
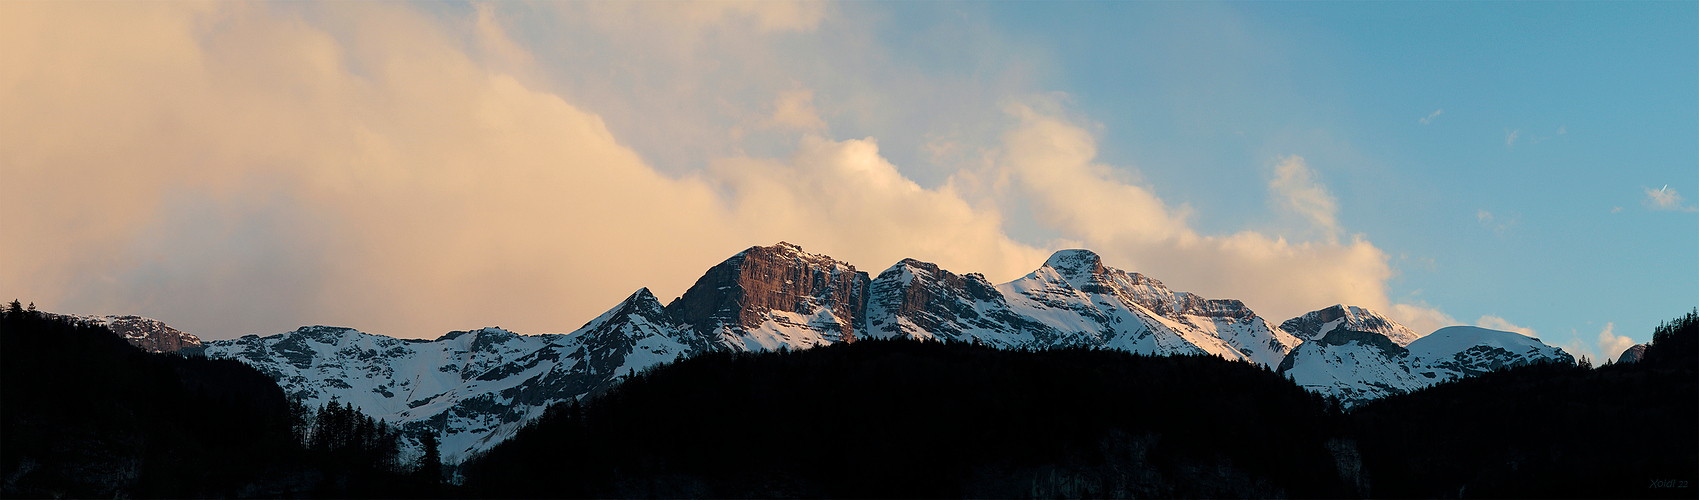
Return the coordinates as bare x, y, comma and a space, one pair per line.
410, 169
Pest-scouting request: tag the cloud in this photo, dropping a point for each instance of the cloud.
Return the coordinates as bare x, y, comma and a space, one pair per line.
244, 168
1562, 130
1510, 137
795, 109
1498, 224
1666, 200
1616, 210
689, 18
1052, 163
1611, 345
256, 171
1420, 318
1608, 348
1497, 323
1431, 116
1295, 188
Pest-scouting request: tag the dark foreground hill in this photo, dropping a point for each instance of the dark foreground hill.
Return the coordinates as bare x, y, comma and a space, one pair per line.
1546, 431
85, 414
928, 419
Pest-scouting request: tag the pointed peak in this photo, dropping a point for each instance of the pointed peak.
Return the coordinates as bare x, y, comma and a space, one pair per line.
641, 295
1075, 263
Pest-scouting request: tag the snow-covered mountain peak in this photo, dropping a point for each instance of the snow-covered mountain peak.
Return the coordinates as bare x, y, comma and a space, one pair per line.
1316, 324
767, 297
1079, 267
1456, 339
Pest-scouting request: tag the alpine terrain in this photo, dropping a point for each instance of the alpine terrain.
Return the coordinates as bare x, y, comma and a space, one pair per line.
476, 388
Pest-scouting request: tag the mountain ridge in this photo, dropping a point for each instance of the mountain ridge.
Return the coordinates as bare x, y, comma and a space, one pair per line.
475, 388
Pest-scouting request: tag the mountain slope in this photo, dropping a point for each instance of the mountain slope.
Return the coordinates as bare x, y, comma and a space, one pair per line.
1316, 324
779, 296
475, 388
1358, 366
471, 387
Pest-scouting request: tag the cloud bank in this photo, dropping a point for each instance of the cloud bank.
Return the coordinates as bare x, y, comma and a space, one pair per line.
1666, 200
247, 168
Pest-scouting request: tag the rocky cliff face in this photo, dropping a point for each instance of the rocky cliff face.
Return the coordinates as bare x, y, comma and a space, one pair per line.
1633, 354
476, 388
768, 297
1316, 324
148, 334
1094, 304
919, 300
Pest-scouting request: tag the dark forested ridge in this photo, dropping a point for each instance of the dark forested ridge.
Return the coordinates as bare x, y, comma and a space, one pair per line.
85, 414
914, 419
911, 419
1546, 431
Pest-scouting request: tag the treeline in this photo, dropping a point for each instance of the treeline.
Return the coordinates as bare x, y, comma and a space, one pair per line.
912, 419
1549, 431
85, 414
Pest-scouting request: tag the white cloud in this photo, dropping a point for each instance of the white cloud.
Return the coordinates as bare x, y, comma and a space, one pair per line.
1431, 116
1562, 130
1420, 318
1295, 188
1616, 210
1497, 323
1611, 345
365, 166
795, 109
1510, 137
382, 177
1051, 160
1667, 200
1608, 348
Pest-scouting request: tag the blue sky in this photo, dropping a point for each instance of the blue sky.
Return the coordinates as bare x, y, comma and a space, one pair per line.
270, 165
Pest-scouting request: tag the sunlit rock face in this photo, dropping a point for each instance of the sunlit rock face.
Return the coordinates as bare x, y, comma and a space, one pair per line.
476, 388
1633, 354
149, 334
778, 296
919, 300
1093, 304
1316, 324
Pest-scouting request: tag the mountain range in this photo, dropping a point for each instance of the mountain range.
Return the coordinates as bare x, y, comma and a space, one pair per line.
477, 388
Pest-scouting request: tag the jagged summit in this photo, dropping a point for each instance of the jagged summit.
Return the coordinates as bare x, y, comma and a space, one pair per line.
477, 387
767, 297
1315, 324
1076, 263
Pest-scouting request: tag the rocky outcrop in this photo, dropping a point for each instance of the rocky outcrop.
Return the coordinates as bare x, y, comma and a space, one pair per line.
477, 387
920, 300
1089, 303
149, 334
1316, 324
1633, 354
768, 297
